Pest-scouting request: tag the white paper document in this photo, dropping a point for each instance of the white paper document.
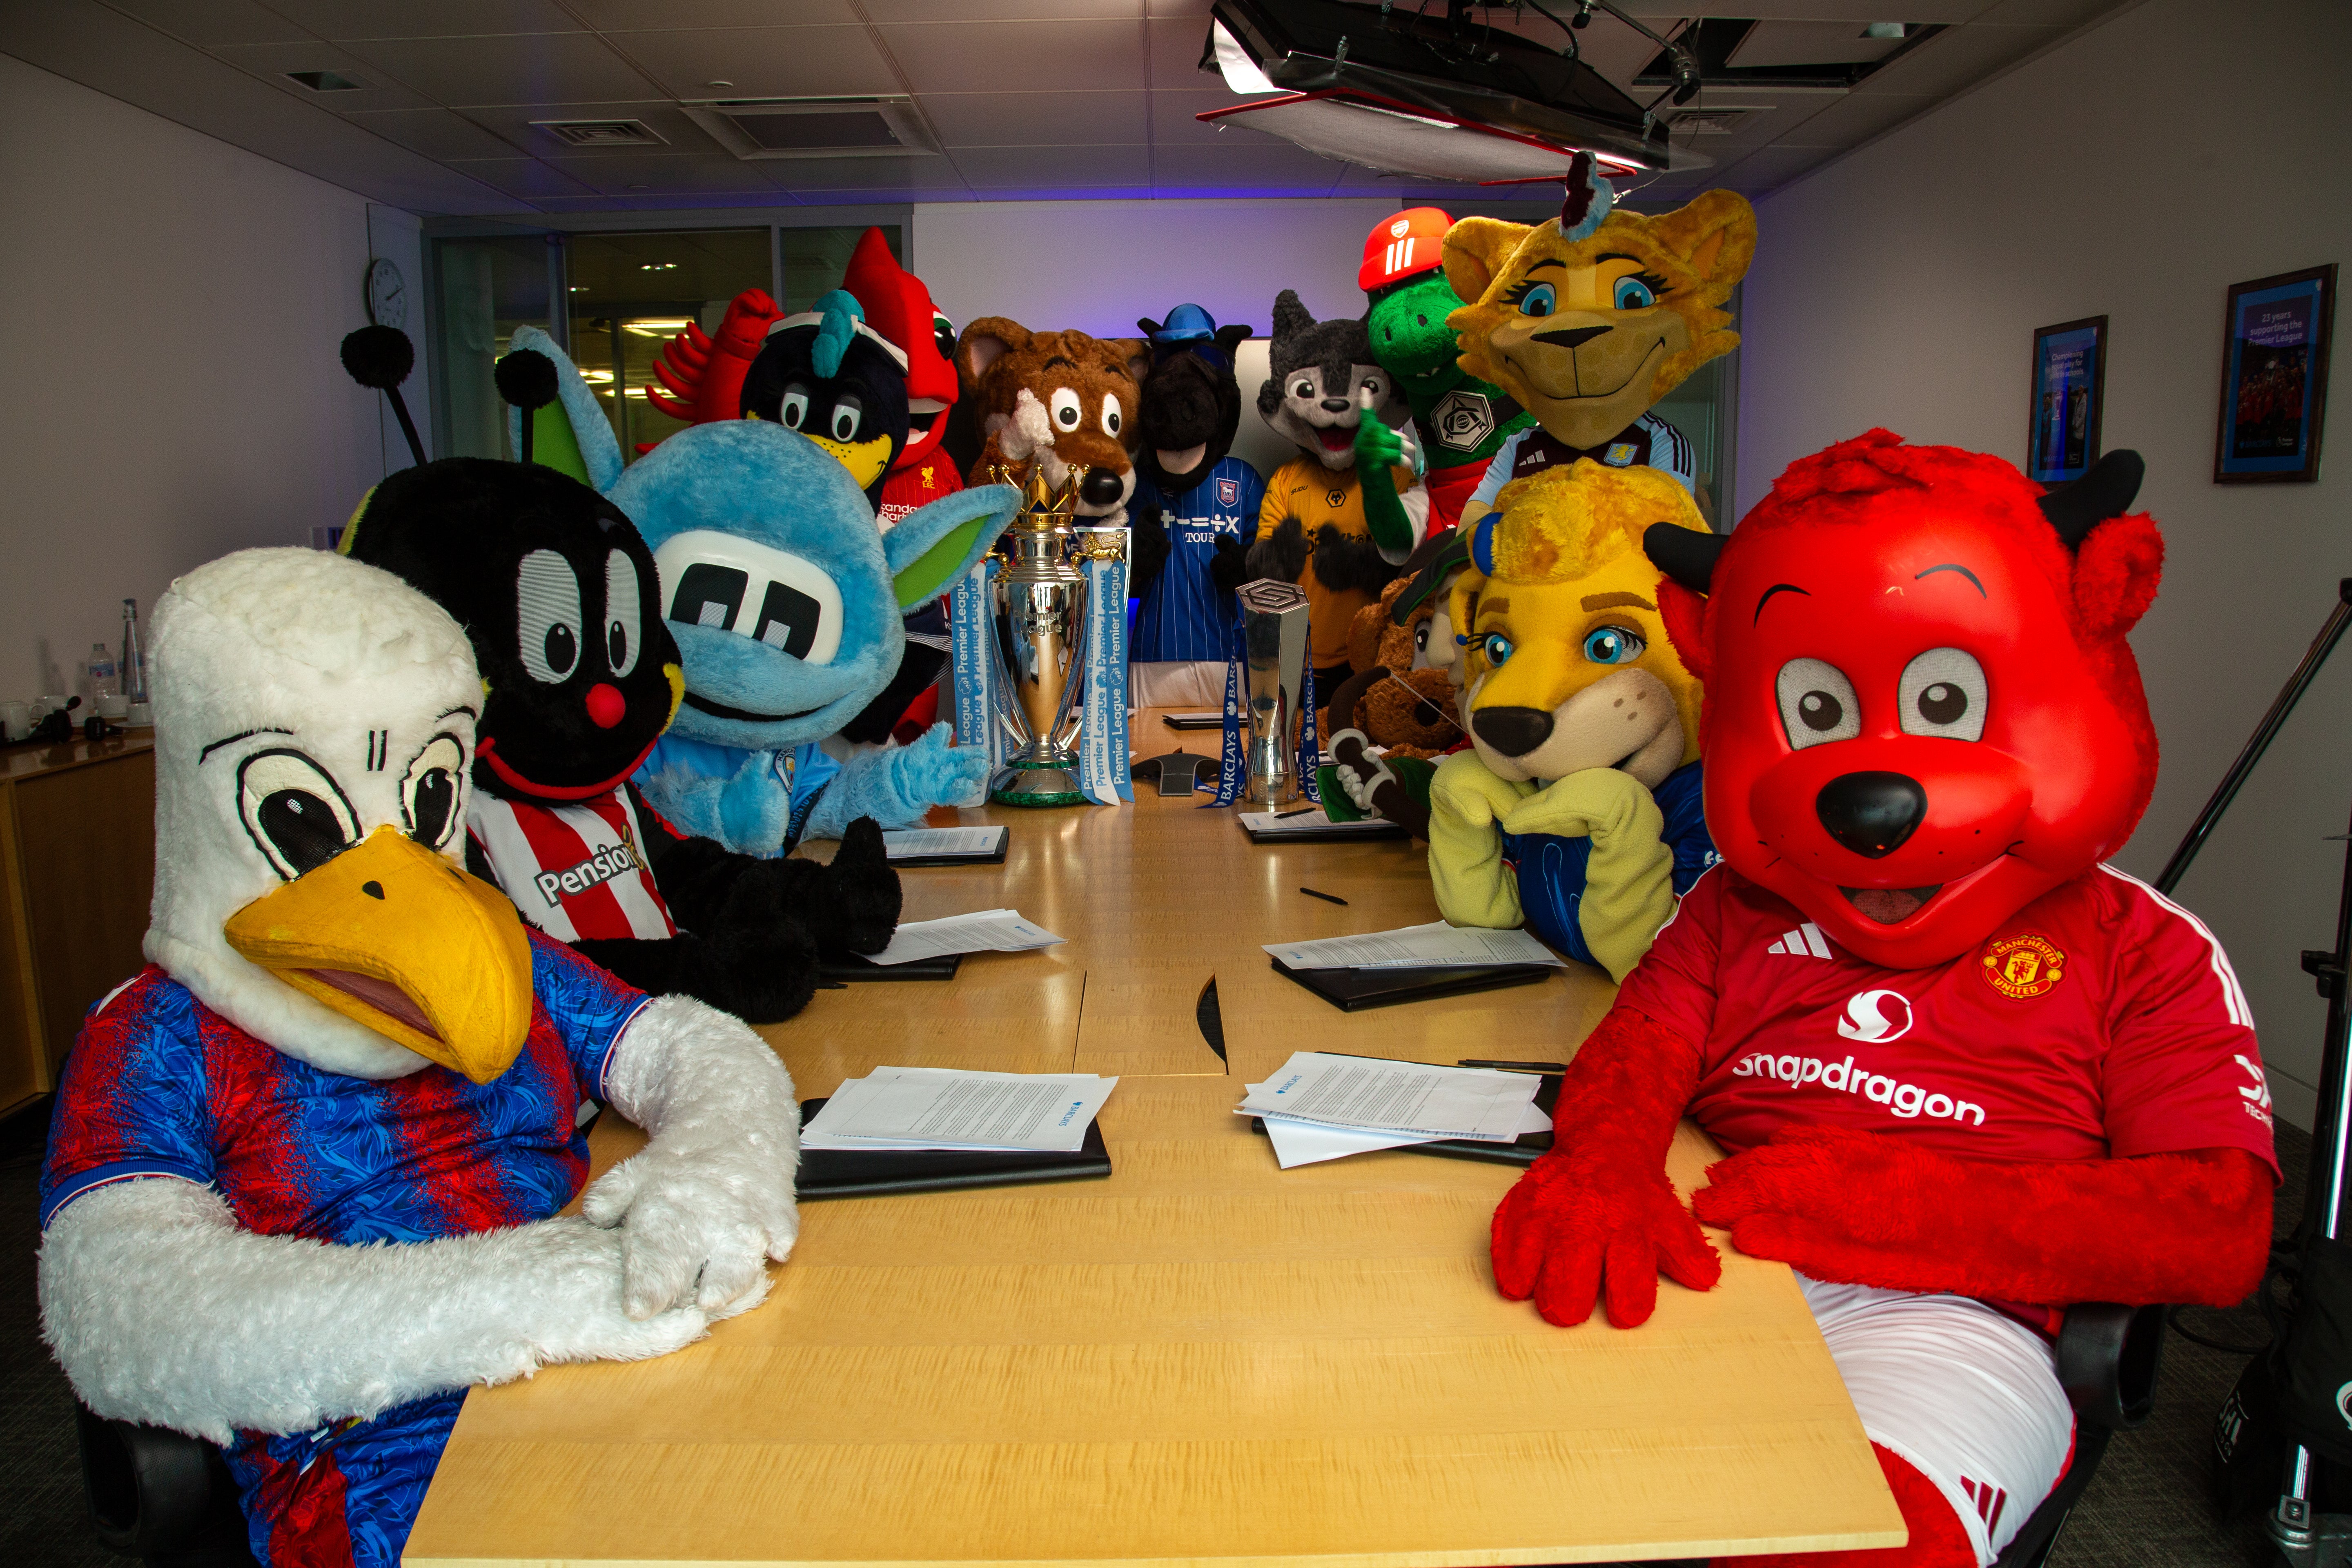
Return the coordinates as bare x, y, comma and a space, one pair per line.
1309, 820
939, 1108
1377, 1096
1433, 946
1311, 1143
989, 930
922, 843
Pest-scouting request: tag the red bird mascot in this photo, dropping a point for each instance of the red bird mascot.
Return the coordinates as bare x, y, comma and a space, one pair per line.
1967, 1073
898, 307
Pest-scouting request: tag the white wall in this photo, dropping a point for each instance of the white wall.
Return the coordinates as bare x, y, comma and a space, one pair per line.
173, 390
2135, 171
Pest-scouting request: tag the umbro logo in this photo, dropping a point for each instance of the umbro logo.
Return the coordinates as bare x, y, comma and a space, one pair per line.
1805, 942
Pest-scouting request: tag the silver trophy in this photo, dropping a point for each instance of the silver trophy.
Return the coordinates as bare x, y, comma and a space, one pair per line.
1041, 627
1274, 640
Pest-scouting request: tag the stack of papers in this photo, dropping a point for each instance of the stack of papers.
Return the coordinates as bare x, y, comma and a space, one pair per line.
939, 1108
1320, 1107
1433, 946
1309, 820
929, 843
989, 930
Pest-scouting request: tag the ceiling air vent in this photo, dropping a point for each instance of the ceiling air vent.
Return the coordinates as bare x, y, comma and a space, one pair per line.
757, 128
602, 133
1710, 122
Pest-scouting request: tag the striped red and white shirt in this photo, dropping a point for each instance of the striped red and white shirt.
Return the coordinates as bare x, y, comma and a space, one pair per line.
573, 871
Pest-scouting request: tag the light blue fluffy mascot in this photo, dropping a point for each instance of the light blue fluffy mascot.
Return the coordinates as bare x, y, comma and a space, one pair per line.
787, 606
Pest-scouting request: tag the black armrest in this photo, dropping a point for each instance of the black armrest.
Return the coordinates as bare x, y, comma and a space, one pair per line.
2107, 1360
158, 1494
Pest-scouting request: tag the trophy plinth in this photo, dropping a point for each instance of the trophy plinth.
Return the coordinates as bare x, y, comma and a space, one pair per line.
1041, 605
1274, 642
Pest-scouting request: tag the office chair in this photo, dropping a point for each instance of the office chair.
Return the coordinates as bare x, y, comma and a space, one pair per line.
2107, 1358
163, 1497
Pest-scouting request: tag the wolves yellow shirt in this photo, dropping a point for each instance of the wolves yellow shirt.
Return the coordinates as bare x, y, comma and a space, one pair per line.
1315, 495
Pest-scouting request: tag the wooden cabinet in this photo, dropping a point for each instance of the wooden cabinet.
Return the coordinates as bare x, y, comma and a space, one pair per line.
77, 870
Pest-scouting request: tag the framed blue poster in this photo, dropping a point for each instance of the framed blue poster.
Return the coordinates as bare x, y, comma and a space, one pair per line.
2070, 374
2275, 377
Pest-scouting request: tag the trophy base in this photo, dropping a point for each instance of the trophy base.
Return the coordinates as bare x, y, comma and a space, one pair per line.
1036, 783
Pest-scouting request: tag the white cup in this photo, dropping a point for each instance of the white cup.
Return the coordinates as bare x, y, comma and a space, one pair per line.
44, 706
141, 714
113, 706
15, 719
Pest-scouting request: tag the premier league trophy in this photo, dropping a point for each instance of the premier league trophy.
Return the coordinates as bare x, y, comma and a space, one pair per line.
1273, 646
1052, 655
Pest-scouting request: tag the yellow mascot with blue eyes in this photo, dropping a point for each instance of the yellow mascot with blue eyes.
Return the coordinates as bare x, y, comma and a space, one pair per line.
1576, 810
1587, 320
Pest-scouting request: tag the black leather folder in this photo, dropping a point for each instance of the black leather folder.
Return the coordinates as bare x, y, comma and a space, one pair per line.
849, 966
1353, 989
994, 858
1348, 834
857, 1173
1523, 1151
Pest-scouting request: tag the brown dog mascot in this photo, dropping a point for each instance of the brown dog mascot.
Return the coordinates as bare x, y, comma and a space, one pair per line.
1061, 399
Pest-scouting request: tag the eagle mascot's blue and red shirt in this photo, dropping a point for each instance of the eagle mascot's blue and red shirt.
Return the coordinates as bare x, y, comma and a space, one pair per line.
158, 1085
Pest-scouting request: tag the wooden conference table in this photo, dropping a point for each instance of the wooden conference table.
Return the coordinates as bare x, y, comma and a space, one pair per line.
1204, 1359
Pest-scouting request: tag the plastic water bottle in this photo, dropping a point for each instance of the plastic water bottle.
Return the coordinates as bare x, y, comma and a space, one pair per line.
102, 671
134, 654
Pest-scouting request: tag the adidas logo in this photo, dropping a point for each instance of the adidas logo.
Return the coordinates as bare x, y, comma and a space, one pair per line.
1805, 942
1989, 1500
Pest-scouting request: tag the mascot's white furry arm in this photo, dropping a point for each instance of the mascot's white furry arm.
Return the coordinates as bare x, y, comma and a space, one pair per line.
302, 1182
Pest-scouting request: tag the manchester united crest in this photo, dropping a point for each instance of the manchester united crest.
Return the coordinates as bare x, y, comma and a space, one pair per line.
2020, 967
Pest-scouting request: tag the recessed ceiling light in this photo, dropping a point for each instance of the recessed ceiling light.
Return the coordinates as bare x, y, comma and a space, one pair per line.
325, 81
654, 266
721, 82
648, 188
1893, 30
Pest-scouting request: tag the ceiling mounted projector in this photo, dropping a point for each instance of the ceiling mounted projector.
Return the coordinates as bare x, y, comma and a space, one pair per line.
1445, 98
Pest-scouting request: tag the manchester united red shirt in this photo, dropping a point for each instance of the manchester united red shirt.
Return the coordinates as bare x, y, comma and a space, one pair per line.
2101, 1019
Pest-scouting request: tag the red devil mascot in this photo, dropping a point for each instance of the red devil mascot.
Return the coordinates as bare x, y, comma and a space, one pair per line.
900, 309
1967, 1073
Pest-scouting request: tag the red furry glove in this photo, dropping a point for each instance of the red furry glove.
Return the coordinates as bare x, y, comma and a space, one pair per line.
1867, 1208
1596, 1219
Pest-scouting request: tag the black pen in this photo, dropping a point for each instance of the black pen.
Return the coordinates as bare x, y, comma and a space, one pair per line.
1516, 1067
1302, 811
1327, 898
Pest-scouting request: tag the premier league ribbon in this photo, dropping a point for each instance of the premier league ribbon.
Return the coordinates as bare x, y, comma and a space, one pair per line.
974, 637
1231, 767
1102, 722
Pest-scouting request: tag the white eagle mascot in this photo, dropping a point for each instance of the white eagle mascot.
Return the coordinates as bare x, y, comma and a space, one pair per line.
305, 1169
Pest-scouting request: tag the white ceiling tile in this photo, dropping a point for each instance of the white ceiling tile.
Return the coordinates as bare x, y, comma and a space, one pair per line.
208, 22
1019, 57
1173, 125
1769, 168
1179, 8
1035, 119
859, 173
529, 68
569, 204
525, 177
438, 134
2044, 13
1176, 46
630, 16
987, 168
270, 63
519, 123
640, 175
344, 20
1852, 119
1814, 11
762, 62
1958, 59
1065, 194
1276, 169
887, 195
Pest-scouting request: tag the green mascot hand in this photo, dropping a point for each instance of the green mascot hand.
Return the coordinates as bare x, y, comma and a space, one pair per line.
1467, 800
1629, 880
1378, 451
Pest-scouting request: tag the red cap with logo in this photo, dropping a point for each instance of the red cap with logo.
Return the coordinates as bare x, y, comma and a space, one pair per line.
1405, 246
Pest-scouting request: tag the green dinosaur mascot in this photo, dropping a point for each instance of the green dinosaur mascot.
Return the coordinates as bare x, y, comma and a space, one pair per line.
1463, 421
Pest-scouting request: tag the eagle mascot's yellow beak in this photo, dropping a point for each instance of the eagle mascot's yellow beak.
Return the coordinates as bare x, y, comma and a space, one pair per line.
395, 937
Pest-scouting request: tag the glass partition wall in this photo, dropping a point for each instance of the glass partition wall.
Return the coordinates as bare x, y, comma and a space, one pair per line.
623, 297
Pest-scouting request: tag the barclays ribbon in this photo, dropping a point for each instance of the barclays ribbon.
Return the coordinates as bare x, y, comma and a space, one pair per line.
1310, 746
1102, 725
1230, 768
